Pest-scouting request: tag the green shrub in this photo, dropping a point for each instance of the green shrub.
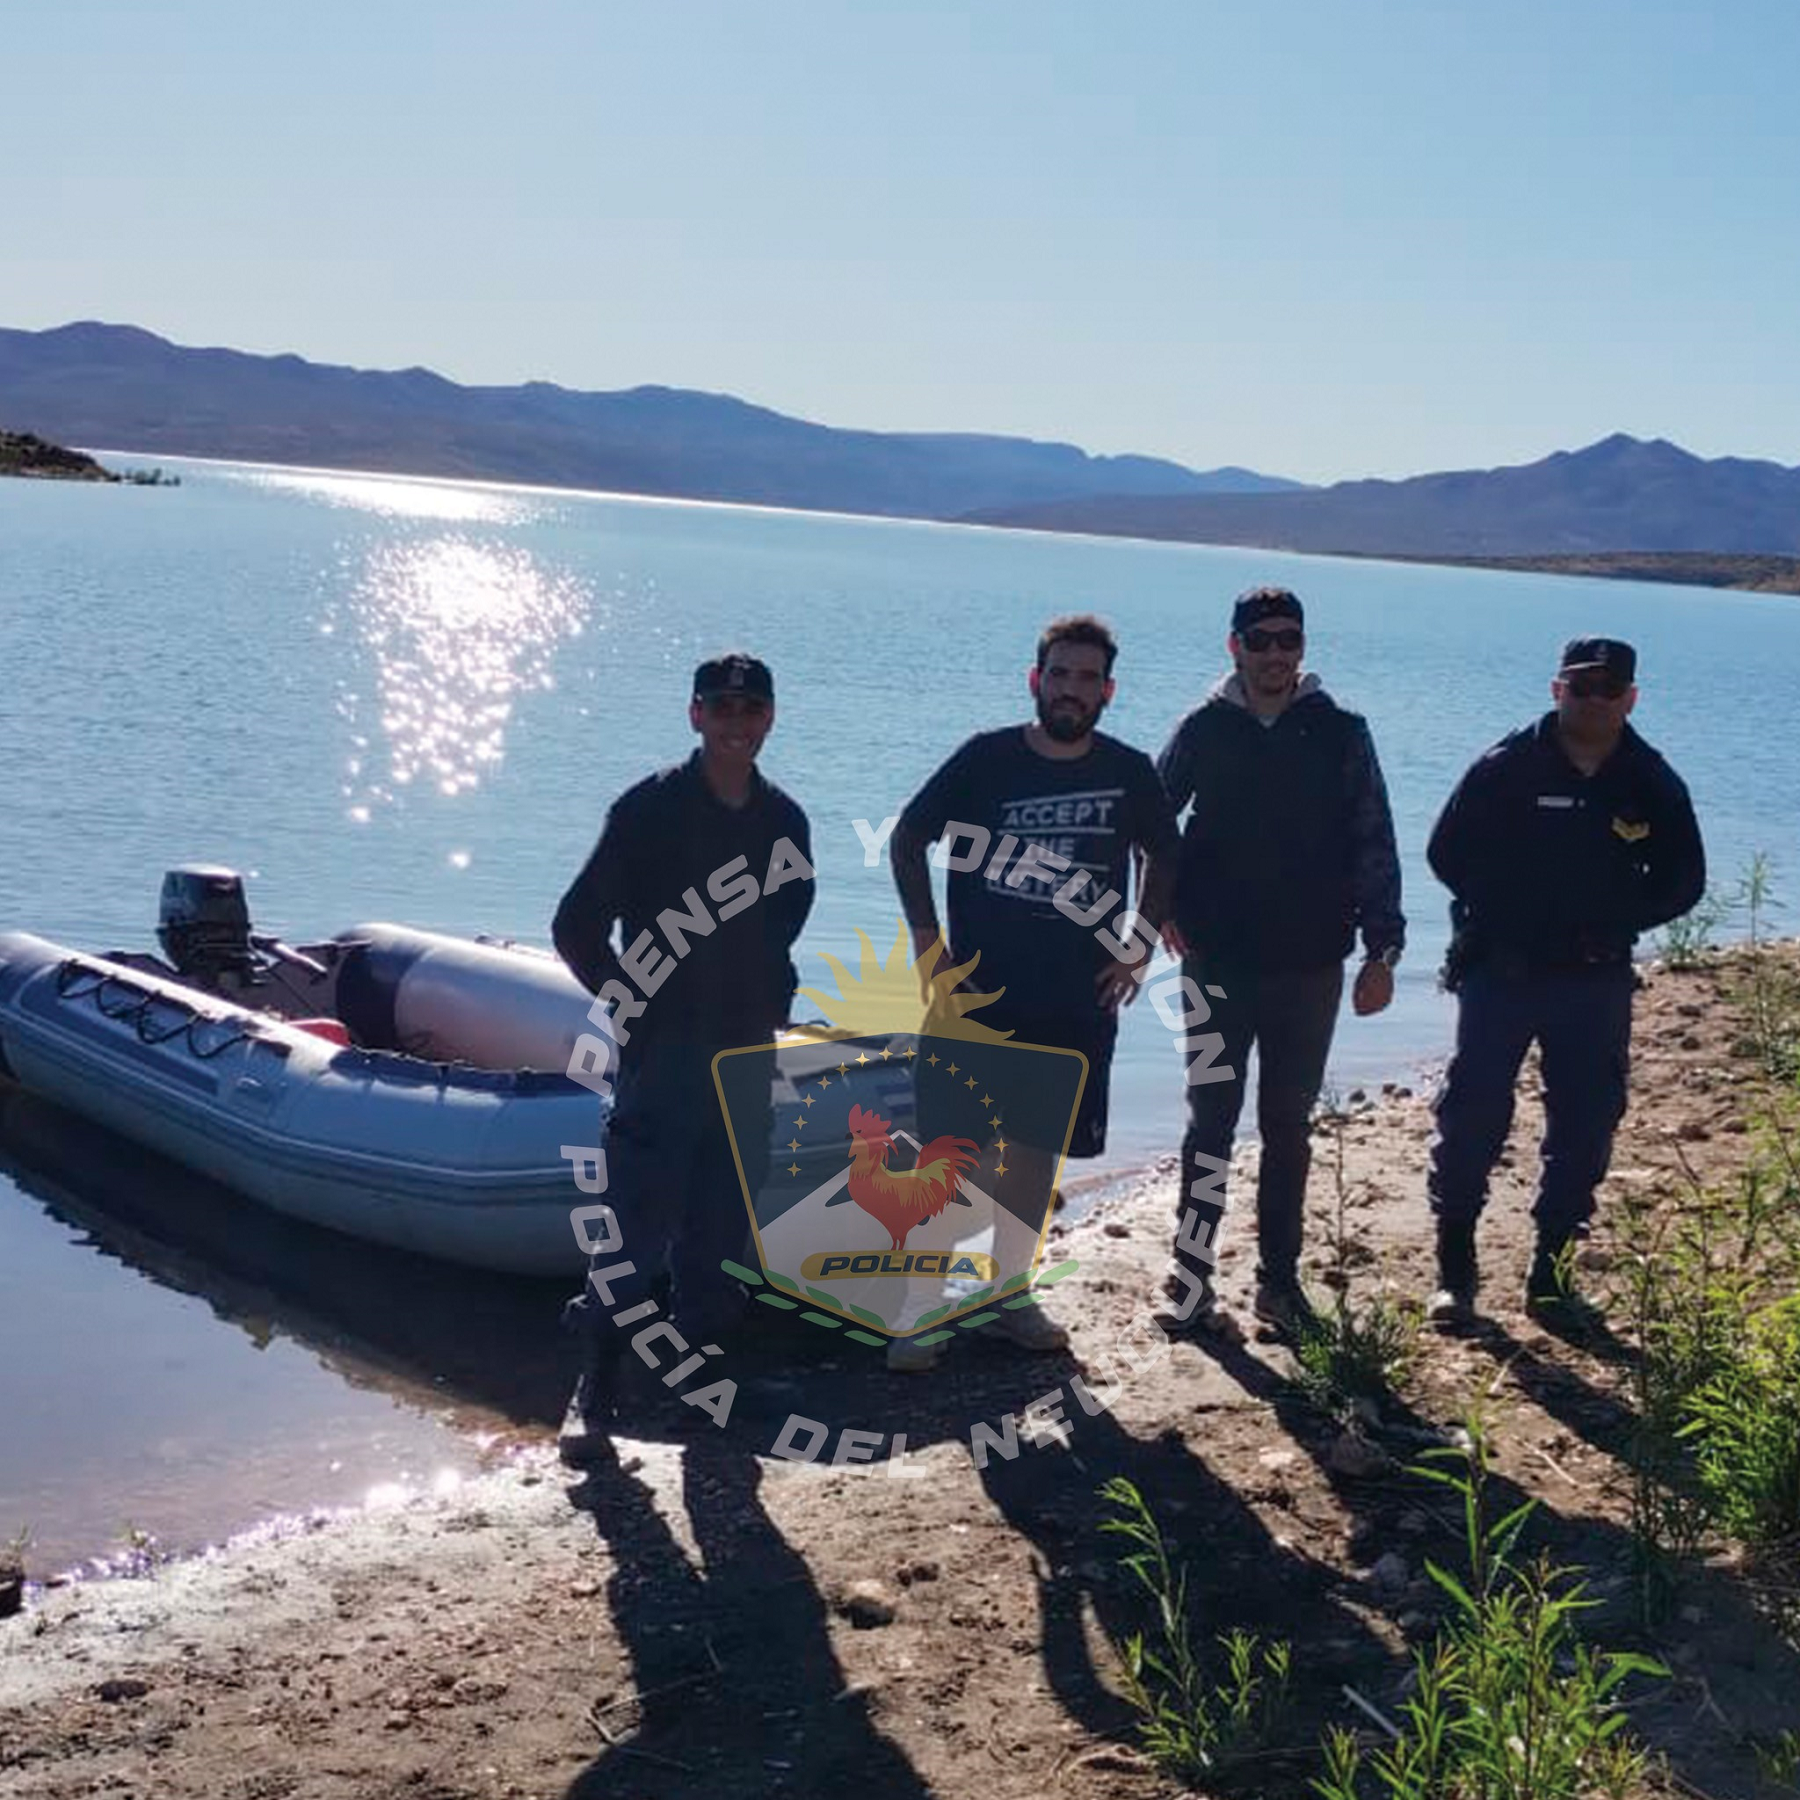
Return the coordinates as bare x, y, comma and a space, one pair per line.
1716, 1444
1779, 1759
1687, 942
1188, 1719
1355, 1352
1508, 1703
1744, 1425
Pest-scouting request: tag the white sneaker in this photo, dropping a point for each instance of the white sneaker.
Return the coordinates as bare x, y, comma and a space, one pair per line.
1450, 1309
1030, 1327
907, 1356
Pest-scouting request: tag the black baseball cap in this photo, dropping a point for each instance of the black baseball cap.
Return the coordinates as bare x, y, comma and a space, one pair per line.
734, 673
1259, 603
1613, 655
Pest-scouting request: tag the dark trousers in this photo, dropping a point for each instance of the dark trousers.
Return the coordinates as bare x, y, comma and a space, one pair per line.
1580, 1020
672, 1182
1287, 1016
1081, 1026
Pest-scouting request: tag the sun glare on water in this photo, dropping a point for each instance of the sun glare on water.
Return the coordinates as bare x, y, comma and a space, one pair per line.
392, 497
457, 631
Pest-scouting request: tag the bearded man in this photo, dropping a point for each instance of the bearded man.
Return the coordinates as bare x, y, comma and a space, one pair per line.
1039, 825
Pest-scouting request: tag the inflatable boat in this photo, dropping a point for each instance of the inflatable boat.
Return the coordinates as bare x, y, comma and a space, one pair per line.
393, 1084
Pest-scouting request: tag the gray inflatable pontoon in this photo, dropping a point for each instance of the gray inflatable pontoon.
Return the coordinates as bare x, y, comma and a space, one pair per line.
423, 1105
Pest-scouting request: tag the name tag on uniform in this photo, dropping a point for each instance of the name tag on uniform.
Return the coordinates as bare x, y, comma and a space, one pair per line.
1556, 800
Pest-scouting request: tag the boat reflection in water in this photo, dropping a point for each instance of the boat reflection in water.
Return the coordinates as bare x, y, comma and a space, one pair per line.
350, 1368
408, 1325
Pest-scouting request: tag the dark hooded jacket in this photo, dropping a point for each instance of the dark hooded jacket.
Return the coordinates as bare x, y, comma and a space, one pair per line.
1289, 849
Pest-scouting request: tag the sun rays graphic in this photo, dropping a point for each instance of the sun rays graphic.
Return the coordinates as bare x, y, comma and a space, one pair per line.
898, 996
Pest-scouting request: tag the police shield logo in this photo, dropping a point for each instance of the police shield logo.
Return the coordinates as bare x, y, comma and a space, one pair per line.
899, 1163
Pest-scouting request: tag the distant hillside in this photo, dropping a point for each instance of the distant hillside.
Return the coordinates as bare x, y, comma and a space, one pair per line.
1621, 494
115, 384
1688, 568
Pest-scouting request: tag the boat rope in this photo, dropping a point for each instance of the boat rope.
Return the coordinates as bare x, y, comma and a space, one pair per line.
134, 1004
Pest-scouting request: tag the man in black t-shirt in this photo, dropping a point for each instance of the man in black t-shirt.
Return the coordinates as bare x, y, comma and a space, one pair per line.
1037, 826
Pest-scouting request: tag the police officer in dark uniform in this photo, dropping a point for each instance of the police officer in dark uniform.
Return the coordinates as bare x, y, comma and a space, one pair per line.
1560, 845
705, 871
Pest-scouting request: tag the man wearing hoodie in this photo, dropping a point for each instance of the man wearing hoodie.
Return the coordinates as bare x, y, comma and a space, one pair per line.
1287, 854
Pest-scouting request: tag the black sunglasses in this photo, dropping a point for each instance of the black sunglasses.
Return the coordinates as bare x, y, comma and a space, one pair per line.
1595, 686
1259, 641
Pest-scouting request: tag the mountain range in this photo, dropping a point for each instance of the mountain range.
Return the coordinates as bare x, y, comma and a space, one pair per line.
1620, 498
1620, 494
119, 386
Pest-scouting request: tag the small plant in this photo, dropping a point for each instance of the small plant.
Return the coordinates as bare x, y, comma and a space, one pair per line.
1716, 1381
1508, 1703
1744, 1425
1756, 895
1351, 1351
1188, 1721
1683, 1317
1688, 942
1355, 1352
1769, 993
144, 1553
1779, 1759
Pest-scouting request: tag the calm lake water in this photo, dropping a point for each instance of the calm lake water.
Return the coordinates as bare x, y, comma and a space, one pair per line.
385, 698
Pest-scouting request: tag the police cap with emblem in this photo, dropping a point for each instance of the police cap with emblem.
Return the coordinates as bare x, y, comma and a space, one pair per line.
734, 673
1613, 655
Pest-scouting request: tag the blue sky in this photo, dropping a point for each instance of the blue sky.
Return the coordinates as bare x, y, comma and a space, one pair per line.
1320, 239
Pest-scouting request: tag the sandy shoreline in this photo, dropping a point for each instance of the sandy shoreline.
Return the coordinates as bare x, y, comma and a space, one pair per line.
717, 1622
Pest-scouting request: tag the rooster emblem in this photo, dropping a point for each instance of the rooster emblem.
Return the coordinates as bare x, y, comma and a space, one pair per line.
899, 1199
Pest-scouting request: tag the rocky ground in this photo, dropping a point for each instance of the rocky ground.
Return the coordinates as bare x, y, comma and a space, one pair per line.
701, 1620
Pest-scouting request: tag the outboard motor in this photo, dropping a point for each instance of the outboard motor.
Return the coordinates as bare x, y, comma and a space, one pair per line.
204, 923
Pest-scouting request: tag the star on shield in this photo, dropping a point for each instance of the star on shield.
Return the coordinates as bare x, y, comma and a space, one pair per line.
910, 1176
